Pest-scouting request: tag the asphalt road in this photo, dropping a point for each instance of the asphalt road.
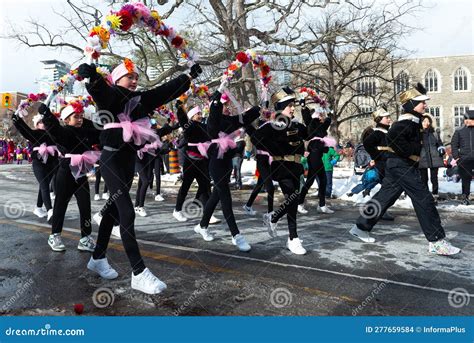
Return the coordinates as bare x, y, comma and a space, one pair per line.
339, 276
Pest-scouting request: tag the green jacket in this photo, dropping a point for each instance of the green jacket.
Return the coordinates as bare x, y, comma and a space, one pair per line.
328, 157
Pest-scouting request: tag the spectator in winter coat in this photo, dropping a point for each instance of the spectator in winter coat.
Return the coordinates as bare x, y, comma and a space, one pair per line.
369, 180
330, 159
431, 155
462, 145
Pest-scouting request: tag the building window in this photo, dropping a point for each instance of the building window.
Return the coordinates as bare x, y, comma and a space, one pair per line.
459, 111
435, 112
402, 82
431, 81
366, 86
460, 80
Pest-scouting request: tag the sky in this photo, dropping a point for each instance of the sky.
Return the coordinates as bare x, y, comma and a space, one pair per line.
448, 29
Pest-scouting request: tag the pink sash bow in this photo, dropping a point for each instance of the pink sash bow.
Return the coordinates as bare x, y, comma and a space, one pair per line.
150, 149
81, 164
45, 150
263, 152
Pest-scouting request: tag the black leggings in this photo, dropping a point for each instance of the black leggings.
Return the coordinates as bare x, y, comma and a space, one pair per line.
315, 168
433, 177
199, 170
157, 168
289, 181
265, 178
66, 187
145, 172
97, 181
44, 173
117, 170
220, 170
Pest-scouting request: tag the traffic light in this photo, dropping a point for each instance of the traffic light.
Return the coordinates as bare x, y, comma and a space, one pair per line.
6, 100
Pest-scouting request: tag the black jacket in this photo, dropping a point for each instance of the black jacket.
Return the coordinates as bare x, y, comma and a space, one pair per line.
462, 143
315, 128
111, 101
218, 122
404, 136
36, 137
377, 137
193, 132
430, 156
70, 139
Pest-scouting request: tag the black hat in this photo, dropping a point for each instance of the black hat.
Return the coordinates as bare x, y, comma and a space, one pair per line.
469, 114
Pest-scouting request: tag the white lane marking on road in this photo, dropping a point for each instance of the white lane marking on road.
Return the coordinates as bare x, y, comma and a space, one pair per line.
280, 264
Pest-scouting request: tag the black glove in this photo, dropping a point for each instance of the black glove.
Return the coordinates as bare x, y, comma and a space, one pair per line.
196, 70
87, 70
303, 102
44, 110
15, 118
179, 104
216, 96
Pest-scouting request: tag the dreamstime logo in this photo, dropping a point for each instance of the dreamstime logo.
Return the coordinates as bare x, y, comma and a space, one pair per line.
14, 209
371, 209
103, 117
458, 297
281, 297
378, 287
281, 122
192, 208
103, 297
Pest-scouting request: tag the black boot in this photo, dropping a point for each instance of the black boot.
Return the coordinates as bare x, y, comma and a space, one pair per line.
387, 216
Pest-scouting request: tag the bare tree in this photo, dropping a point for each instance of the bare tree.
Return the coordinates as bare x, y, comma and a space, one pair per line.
352, 66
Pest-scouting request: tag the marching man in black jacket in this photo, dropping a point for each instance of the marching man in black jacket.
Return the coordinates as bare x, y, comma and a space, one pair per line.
402, 174
462, 145
375, 143
284, 140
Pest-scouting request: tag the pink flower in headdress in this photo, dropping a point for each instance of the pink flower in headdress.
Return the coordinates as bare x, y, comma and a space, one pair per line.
126, 19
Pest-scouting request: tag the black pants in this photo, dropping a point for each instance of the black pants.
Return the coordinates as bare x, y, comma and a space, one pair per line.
66, 187
237, 166
220, 170
118, 170
52, 185
144, 168
401, 176
288, 176
433, 177
466, 171
157, 169
315, 168
44, 173
199, 170
97, 181
265, 178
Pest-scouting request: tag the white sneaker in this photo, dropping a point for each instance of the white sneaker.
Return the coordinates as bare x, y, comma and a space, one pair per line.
324, 209
97, 197
147, 283
249, 210
302, 210
271, 227
103, 268
116, 231
40, 212
443, 247
241, 243
56, 243
214, 220
159, 197
179, 216
105, 196
97, 218
86, 244
50, 214
204, 232
294, 245
140, 211
362, 235
52, 195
